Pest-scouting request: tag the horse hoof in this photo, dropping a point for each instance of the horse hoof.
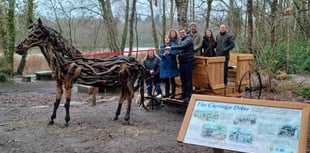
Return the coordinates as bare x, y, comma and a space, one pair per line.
115, 118
50, 123
66, 124
126, 123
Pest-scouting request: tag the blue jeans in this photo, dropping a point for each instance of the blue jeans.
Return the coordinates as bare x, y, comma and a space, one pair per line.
149, 86
186, 70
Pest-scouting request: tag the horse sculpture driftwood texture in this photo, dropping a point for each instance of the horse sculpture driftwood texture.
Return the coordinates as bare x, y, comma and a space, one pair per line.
69, 66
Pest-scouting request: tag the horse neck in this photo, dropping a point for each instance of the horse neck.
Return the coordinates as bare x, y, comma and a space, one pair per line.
61, 45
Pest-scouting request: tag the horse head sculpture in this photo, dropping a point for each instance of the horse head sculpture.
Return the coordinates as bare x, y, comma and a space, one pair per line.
44, 38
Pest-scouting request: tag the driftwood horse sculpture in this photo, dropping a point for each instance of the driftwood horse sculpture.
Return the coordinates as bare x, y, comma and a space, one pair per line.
68, 67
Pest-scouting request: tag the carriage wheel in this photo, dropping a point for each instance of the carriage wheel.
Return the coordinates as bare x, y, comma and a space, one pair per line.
250, 85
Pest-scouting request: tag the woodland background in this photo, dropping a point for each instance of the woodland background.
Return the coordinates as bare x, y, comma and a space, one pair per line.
275, 31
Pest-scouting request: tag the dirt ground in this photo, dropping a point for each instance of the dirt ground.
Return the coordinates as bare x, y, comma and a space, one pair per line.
25, 109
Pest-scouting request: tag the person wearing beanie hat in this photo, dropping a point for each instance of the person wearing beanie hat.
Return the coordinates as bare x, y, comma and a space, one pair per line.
197, 39
193, 23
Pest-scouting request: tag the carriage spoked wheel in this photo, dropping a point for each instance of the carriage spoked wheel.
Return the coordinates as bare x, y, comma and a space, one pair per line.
250, 85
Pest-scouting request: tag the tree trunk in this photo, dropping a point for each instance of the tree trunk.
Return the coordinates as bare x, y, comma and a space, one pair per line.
11, 33
193, 11
302, 17
273, 17
231, 14
131, 24
136, 31
56, 16
250, 26
3, 31
164, 23
96, 35
182, 12
110, 25
154, 33
29, 15
171, 14
208, 13
125, 30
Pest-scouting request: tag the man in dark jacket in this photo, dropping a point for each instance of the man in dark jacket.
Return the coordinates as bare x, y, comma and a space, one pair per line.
225, 43
186, 61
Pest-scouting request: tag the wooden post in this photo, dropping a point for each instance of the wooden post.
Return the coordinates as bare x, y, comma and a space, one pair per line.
215, 150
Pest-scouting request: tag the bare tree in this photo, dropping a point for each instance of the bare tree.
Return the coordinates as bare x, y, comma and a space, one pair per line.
182, 12
131, 24
164, 23
154, 33
208, 14
250, 25
53, 5
3, 31
302, 16
273, 17
9, 54
29, 15
171, 14
110, 25
125, 28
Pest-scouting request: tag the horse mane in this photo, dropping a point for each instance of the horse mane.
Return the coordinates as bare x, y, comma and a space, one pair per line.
62, 44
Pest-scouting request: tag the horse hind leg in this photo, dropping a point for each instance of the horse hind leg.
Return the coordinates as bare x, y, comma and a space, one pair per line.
67, 106
53, 116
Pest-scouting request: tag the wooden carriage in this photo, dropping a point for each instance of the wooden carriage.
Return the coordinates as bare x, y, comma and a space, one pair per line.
208, 75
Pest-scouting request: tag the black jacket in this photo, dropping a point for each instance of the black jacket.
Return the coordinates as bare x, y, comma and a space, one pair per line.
185, 49
225, 43
207, 48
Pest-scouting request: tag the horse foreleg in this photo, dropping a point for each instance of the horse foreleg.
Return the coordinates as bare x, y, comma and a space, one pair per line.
120, 103
127, 116
59, 92
67, 106
118, 110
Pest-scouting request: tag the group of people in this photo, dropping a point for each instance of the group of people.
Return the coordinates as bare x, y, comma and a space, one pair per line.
184, 46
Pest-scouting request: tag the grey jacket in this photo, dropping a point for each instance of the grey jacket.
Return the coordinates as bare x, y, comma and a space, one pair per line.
225, 43
197, 42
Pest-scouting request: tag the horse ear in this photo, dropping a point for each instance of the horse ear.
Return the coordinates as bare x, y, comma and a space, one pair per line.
39, 21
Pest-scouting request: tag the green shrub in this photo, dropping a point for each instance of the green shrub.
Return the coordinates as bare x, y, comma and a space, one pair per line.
4, 67
305, 92
3, 78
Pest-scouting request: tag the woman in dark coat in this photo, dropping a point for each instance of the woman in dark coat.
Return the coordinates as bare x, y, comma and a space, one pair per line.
208, 44
168, 67
152, 66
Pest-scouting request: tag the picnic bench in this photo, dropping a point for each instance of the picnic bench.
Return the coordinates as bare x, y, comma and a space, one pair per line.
43, 75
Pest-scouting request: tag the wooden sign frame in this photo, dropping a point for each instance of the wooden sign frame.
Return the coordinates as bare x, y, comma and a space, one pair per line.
244, 123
